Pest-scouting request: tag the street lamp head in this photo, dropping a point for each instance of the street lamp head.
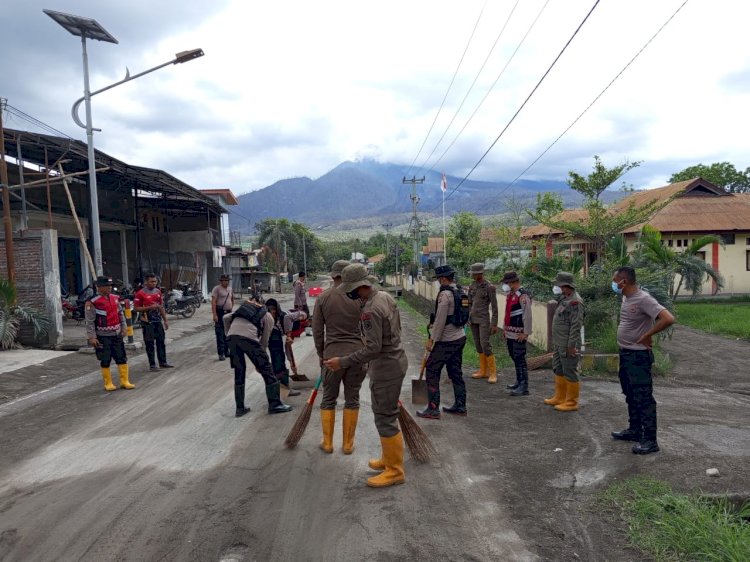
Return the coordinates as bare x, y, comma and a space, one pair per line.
185, 56
82, 27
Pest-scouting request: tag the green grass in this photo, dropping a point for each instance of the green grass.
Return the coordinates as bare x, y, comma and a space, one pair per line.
471, 357
671, 526
728, 318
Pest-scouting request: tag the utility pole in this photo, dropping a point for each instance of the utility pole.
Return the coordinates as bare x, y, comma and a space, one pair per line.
304, 254
414, 226
7, 223
387, 227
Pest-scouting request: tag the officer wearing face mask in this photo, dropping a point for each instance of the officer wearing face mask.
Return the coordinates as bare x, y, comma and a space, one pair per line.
566, 343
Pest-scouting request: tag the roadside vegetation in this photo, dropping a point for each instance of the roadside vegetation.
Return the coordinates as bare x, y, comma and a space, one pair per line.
729, 317
673, 526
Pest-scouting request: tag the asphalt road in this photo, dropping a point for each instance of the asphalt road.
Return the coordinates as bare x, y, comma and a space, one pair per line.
166, 472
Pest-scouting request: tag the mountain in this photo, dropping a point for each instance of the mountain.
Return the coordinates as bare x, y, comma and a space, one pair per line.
368, 189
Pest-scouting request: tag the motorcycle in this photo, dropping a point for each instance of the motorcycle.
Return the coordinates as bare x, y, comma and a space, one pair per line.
196, 295
73, 309
179, 304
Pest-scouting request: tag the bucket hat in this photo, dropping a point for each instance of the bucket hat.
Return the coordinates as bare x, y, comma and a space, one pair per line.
563, 278
354, 276
476, 269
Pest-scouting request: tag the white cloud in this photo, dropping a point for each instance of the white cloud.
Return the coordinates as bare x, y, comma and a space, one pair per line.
294, 88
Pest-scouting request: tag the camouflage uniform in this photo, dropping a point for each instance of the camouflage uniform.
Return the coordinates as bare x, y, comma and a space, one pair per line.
483, 297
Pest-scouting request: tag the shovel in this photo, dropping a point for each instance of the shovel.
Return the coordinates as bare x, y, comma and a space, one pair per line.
419, 386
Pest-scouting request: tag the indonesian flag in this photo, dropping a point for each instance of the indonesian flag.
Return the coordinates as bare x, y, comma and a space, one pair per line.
444, 184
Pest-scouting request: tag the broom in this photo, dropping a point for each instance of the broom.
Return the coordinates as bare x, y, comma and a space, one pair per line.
539, 361
419, 445
299, 427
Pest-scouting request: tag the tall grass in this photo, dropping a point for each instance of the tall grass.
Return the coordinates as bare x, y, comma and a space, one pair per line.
671, 526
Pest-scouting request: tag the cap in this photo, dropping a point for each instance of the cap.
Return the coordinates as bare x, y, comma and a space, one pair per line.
337, 267
272, 303
444, 271
354, 276
510, 277
563, 278
224, 277
476, 269
103, 281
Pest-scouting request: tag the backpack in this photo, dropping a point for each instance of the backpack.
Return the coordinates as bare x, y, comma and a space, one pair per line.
461, 306
253, 313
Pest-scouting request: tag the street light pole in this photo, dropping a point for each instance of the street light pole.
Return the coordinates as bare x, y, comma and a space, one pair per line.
94, 233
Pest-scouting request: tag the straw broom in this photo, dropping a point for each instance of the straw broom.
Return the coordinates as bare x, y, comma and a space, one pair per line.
299, 427
420, 447
539, 361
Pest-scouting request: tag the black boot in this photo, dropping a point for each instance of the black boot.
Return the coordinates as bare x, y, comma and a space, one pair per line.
432, 411
645, 447
239, 400
522, 376
275, 405
628, 434
512, 386
459, 401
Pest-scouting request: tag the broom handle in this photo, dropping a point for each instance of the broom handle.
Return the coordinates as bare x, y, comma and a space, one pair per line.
314, 393
424, 364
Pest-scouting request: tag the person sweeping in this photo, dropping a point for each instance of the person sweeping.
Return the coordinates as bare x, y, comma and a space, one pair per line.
380, 324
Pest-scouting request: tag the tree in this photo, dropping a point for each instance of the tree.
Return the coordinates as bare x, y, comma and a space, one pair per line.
12, 315
593, 185
692, 270
465, 245
721, 174
602, 223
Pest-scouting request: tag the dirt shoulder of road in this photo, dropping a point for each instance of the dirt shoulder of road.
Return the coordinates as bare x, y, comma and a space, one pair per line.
549, 466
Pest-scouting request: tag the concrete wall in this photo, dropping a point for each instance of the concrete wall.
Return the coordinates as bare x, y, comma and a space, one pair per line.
37, 279
541, 320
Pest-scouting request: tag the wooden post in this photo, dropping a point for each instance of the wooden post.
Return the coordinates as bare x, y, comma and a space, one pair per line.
7, 223
90, 261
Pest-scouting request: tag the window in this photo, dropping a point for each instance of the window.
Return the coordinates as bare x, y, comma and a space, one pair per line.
670, 242
747, 260
747, 240
679, 243
728, 238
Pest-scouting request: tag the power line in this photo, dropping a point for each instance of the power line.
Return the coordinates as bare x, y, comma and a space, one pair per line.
34, 121
589, 106
445, 97
471, 87
489, 90
554, 62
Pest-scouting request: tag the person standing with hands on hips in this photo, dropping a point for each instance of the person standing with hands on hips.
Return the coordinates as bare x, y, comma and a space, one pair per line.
105, 331
149, 302
222, 302
566, 343
641, 317
483, 323
517, 329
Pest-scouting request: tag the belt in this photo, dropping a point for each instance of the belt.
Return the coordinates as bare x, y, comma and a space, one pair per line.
626, 350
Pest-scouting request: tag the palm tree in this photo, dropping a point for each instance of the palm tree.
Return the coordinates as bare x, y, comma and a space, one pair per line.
691, 268
12, 315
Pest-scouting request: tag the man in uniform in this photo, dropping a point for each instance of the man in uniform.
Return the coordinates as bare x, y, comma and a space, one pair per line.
222, 302
105, 330
640, 318
300, 298
250, 338
381, 326
566, 343
517, 329
150, 304
445, 347
282, 331
483, 296
335, 328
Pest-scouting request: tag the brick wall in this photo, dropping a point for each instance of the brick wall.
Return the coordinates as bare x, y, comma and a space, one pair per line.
37, 279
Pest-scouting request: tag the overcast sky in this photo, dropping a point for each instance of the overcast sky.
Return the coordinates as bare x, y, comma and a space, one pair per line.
294, 88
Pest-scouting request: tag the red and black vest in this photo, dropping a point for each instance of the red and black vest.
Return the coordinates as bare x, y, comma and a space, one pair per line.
107, 308
514, 311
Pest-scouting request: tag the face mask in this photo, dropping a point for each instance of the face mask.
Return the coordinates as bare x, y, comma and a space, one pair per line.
505, 288
616, 288
556, 290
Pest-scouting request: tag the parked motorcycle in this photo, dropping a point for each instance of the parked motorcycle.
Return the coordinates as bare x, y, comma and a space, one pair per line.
190, 292
73, 309
179, 304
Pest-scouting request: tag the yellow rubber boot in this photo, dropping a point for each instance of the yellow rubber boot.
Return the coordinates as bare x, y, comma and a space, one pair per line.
350, 428
327, 421
124, 382
393, 458
571, 397
376, 464
560, 391
491, 369
482, 372
107, 376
